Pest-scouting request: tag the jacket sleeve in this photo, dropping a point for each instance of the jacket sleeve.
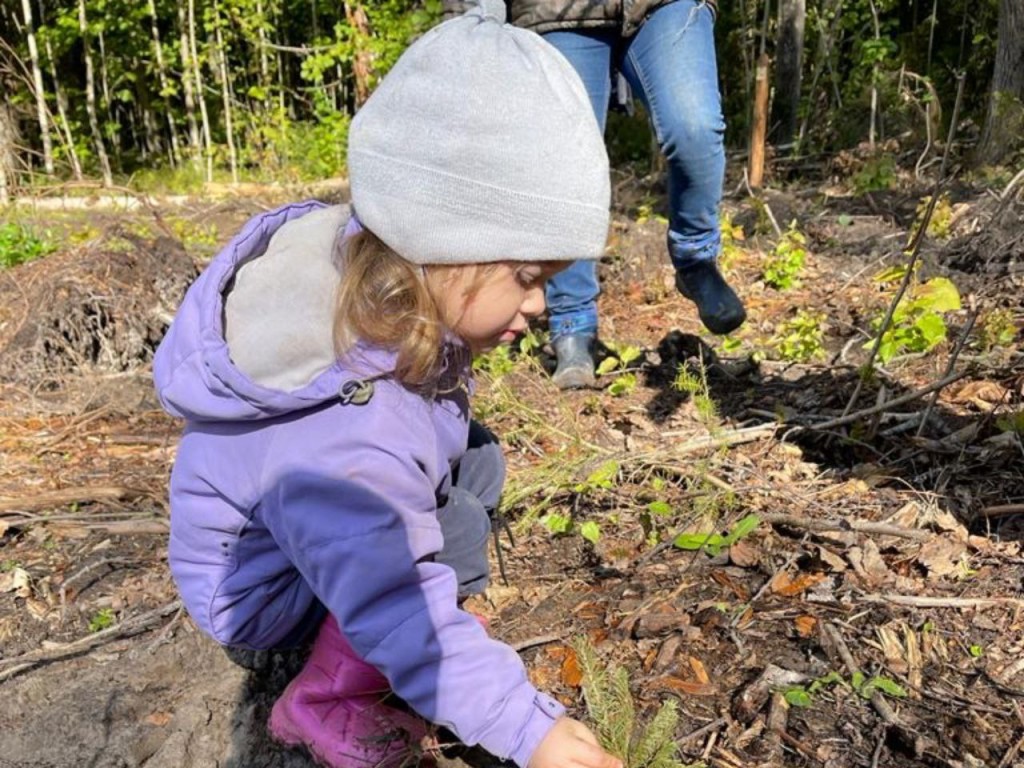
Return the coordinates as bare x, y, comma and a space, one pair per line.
362, 534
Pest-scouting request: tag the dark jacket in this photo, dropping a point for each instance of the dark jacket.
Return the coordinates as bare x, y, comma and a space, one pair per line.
550, 15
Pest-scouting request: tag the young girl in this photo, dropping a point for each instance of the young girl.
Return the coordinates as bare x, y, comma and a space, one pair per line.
329, 482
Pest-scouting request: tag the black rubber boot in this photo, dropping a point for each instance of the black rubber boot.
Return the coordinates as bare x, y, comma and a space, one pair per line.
719, 307
575, 354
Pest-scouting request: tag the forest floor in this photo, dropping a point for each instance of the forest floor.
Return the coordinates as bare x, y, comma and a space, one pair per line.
846, 586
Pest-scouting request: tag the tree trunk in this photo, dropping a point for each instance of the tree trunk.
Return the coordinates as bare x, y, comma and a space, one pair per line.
1005, 122
186, 82
90, 98
225, 90
7, 144
198, 82
789, 54
165, 88
37, 82
362, 64
62, 108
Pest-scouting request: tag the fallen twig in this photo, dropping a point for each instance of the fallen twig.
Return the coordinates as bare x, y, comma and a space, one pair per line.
882, 707
66, 496
722, 439
919, 601
714, 725
860, 526
126, 628
1002, 510
531, 642
905, 398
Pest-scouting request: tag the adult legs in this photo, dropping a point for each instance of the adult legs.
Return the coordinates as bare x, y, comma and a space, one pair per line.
670, 64
572, 293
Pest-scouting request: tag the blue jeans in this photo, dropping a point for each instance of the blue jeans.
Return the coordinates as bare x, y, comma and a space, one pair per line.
670, 65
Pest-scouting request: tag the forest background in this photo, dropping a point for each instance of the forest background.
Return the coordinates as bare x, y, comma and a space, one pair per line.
167, 96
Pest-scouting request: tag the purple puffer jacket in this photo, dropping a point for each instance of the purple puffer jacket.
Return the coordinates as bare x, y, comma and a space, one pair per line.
280, 497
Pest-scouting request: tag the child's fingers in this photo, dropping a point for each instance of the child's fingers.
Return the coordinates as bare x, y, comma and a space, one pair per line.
588, 755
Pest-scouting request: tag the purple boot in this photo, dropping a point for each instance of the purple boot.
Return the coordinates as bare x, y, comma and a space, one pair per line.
334, 707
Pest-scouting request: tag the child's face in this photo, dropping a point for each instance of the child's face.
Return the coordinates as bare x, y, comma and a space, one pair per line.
500, 305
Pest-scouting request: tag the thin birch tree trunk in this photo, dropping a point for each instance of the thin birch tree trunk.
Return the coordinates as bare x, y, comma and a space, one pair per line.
874, 79
62, 108
7, 155
229, 123
37, 82
90, 98
198, 82
186, 83
165, 88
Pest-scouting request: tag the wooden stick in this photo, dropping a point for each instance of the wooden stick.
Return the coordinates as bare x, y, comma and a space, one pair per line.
918, 601
896, 401
1002, 510
760, 126
126, 628
66, 496
861, 526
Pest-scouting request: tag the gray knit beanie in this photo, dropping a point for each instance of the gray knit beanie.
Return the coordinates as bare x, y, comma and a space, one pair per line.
481, 145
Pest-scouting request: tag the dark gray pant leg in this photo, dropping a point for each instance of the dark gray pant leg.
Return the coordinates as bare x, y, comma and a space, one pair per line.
465, 517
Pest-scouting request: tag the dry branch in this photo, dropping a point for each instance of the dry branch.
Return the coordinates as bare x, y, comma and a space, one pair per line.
920, 601
66, 496
861, 526
126, 628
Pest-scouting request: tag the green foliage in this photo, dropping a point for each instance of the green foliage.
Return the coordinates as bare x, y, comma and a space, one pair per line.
732, 236
19, 244
800, 339
1011, 422
876, 175
917, 323
998, 329
103, 619
611, 707
695, 384
940, 225
782, 268
497, 362
622, 356
713, 543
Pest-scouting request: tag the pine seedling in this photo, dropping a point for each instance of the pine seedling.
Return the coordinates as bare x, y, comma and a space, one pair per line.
613, 712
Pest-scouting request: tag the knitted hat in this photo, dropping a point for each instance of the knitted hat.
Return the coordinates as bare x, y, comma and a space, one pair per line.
481, 145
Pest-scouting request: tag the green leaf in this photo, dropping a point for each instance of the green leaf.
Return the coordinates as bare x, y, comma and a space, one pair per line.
622, 385
940, 294
607, 365
744, 527
857, 681
798, 696
603, 476
932, 328
693, 541
891, 275
885, 685
659, 508
557, 523
590, 531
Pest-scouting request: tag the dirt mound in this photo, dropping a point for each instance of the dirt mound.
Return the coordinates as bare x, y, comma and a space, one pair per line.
997, 250
100, 306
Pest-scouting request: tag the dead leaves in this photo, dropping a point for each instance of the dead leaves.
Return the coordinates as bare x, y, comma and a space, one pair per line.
787, 585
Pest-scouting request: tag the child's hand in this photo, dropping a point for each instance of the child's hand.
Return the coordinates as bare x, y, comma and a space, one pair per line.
570, 744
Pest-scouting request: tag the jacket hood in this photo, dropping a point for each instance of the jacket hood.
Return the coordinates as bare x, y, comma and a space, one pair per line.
253, 336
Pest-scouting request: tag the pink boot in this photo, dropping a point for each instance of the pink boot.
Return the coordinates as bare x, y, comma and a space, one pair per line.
334, 708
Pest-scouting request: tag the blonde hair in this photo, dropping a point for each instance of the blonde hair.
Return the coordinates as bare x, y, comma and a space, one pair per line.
389, 302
